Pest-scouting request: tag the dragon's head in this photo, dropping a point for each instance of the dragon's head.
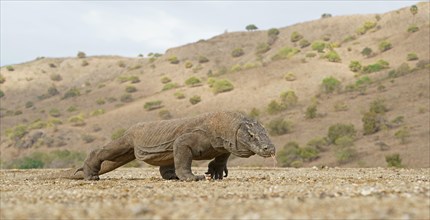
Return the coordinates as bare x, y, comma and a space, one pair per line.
252, 139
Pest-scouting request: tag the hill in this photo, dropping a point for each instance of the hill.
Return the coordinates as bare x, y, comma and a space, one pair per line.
79, 103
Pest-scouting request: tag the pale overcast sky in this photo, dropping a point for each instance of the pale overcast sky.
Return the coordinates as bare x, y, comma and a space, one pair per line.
30, 29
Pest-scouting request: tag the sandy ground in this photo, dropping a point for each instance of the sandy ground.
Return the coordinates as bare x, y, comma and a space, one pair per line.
248, 193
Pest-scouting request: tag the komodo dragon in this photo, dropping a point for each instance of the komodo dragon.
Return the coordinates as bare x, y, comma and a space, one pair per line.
173, 144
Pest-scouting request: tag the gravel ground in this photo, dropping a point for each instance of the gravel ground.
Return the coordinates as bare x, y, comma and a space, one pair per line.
248, 193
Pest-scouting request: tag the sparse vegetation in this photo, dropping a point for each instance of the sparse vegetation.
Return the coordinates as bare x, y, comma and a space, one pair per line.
290, 76
77, 120
262, 48
274, 107
132, 79
55, 112
285, 53
374, 120
179, 95
332, 56
378, 66
1, 93
367, 51
173, 59
195, 99
72, 92
339, 130
330, 84
289, 99
318, 46
164, 114
202, 59
72, 108
251, 27
130, 89
222, 85
311, 111
100, 101
117, 133
413, 28
87, 138
384, 46
188, 65
56, 77
169, 86
411, 57
193, 82
279, 126
2, 79
10, 68
237, 52
98, 112
292, 155
304, 43
29, 104
152, 105
296, 36
52, 159
394, 160
366, 27
126, 98
81, 55
403, 135
340, 106
165, 80
355, 66
254, 113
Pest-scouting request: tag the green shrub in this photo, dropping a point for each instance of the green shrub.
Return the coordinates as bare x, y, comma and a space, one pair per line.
98, 112
17, 132
202, 59
130, 89
308, 153
366, 27
310, 55
100, 101
250, 65
2, 79
152, 105
179, 95
290, 76
279, 126
262, 48
304, 43
413, 28
344, 141
132, 79
384, 46
29, 163
56, 77
333, 56
29, 104
81, 55
378, 106
173, 60
326, 37
251, 27
296, 36
193, 81
345, 154
371, 123
326, 15
126, 98
367, 52
311, 111
349, 38
165, 80
318, 143
10, 68
188, 65
84, 63
340, 106
117, 133
318, 46
52, 91
54, 112
236, 68
289, 98
365, 80
254, 113
77, 120
273, 31
274, 107
330, 84
164, 114
222, 85
339, 130
402, 70
354, 66
394, 160
378, 66
402, 134
195, 99
169, 86
87, 138
72, 108
422, 64
411, 56
237, 52
285, 53
72, 92
288, 155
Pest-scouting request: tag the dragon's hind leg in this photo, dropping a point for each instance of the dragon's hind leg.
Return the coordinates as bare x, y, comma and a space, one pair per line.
168, 172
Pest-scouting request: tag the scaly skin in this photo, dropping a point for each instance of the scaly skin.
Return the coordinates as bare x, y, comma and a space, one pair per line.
173, 144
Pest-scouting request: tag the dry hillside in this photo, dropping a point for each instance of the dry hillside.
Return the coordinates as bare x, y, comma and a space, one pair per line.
78, 103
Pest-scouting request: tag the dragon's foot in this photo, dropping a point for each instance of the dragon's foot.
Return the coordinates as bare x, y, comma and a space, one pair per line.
92, 177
